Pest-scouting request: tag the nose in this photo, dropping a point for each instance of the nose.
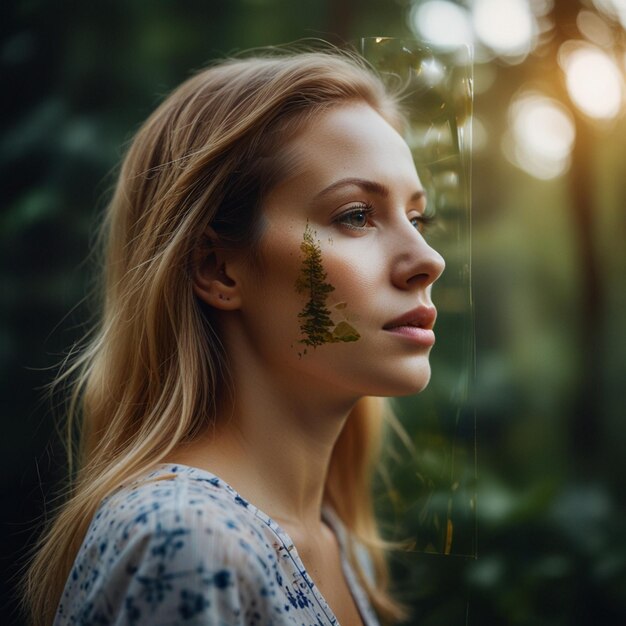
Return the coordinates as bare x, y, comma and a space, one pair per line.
416, 263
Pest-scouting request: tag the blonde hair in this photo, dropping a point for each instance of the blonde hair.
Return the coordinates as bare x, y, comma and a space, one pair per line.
154, 373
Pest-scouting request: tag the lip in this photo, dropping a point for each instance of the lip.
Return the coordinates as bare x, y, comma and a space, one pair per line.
416, 325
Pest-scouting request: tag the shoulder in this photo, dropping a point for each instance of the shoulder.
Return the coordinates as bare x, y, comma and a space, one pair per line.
186, 512
170, 546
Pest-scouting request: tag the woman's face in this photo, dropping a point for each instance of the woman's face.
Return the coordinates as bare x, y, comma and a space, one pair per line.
343, 298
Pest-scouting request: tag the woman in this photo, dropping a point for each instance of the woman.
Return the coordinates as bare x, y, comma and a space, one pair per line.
266, 274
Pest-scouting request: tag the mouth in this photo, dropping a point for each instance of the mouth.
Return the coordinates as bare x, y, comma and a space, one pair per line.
416, 325
421, 317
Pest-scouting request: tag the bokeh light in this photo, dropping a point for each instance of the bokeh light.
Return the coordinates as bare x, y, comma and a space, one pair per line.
541, 8
615, 9
505, 26
444, 24
593, 80
540, 137
595, 29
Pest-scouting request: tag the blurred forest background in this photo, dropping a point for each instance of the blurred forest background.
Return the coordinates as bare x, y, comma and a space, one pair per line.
549, 225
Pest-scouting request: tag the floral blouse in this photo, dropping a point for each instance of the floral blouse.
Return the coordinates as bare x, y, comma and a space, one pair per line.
180, 546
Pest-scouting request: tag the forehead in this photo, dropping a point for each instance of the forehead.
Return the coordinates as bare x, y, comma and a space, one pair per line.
346, 141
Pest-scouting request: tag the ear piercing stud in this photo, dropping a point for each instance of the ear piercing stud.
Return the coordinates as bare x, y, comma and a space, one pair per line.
221, 296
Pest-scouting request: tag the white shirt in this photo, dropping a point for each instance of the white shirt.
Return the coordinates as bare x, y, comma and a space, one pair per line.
181, 546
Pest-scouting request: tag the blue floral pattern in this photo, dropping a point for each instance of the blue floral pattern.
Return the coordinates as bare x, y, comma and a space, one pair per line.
181, 546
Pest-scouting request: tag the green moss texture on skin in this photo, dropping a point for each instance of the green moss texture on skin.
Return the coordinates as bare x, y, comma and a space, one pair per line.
316, 324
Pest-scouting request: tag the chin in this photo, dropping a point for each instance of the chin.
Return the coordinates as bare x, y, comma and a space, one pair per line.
407, 384
413, 388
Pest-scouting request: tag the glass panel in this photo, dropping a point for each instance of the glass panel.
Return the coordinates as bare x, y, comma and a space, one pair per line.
435, 488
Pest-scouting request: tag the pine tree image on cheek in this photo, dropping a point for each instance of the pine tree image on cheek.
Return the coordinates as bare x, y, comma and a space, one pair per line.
315, 320
316, 325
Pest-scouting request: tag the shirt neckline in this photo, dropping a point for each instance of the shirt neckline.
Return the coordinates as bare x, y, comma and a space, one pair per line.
328, 515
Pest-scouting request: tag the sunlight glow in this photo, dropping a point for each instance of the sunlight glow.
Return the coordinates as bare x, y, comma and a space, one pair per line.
541, 135
593, 80
506, 26
443, 24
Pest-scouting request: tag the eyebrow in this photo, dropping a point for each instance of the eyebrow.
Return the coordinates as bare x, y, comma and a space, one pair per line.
367, 185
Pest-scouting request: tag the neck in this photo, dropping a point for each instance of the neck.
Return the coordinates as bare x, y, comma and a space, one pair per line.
274, 447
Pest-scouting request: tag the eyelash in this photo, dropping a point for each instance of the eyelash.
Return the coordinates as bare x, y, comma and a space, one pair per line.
365, 208
424, 222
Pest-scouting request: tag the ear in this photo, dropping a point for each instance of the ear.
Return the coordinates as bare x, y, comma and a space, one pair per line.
215, 274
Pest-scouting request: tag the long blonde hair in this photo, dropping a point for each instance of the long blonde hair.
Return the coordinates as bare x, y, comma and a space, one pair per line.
153, 373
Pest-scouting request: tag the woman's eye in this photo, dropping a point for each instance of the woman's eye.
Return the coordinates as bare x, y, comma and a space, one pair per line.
357, 218
422, 222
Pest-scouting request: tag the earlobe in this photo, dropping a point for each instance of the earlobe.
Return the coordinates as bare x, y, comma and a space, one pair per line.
213, 282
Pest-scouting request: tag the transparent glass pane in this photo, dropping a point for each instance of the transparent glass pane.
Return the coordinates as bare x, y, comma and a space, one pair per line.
435, 484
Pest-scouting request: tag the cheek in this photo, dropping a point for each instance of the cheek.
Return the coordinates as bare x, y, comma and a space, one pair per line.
280, 261
355, 276
311, 290
277, 248
271, 289
343, 314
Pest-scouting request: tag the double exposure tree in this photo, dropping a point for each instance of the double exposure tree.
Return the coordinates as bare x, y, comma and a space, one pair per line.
315, 321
